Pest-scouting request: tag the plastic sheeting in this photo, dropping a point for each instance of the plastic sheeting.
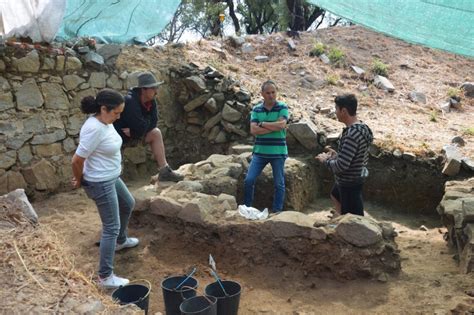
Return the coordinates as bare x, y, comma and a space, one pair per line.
37, 19
443, 24
116, 21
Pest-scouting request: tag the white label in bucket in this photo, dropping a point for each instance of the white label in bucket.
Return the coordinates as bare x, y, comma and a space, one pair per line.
212, 263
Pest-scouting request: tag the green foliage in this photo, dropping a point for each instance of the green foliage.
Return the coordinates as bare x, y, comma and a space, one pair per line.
337, 56
434, 116
332, 79
454, 92
199, 16
468, 131
318, 49
259, 16
380, 68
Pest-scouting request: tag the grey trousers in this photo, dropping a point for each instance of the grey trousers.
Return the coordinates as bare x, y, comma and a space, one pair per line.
115, 204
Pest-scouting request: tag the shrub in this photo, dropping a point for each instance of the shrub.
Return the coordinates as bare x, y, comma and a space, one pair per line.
332, 79
454, 93
318, 49
336, 56
380, 68
468, 131
434, 116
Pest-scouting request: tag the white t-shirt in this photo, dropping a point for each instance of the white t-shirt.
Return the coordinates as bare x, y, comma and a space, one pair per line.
100, 145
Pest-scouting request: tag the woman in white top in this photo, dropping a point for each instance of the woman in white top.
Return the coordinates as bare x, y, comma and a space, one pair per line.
96, 167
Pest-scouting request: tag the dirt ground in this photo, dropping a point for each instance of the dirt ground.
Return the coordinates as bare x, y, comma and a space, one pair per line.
429, 282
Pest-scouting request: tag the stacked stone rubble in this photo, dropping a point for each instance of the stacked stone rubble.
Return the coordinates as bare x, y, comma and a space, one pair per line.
204, 204
457, 214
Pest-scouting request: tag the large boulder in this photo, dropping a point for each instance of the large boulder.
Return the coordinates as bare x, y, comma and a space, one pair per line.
164, 206
359, 231
306, 133
383, 83
291, 224
18, 201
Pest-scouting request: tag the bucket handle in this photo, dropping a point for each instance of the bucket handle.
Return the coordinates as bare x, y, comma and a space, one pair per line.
195, 290
138, 281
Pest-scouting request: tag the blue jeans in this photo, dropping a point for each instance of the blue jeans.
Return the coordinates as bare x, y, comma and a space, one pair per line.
257, 164
115, 205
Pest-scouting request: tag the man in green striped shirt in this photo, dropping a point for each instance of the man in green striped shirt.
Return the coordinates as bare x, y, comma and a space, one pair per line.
268, 125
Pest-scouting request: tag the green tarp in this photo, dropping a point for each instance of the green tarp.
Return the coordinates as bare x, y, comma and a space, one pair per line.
443, 24
117, 21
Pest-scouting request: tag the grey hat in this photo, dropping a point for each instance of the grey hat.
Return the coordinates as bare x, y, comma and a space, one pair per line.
147, 80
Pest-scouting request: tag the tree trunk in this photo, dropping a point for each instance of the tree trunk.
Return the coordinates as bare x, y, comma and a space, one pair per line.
235, 20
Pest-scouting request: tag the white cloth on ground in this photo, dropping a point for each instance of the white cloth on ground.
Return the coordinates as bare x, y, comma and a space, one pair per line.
253, 213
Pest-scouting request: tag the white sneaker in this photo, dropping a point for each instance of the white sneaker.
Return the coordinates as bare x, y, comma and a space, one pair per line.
129, 242
112, 282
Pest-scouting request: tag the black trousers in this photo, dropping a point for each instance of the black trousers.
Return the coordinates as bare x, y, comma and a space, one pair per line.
350, 198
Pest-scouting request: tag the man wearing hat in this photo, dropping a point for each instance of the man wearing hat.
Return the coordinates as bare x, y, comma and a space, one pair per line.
138, 122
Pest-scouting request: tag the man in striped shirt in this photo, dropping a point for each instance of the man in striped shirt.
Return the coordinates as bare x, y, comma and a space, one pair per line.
268, 125
349, 163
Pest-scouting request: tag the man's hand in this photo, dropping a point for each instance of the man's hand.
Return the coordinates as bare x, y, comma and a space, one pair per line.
322, 157
332, 153
126, 131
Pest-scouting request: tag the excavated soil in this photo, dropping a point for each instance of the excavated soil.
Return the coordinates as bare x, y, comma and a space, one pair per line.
429, 280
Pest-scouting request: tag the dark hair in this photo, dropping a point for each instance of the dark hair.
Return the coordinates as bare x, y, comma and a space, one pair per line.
107, 97
347, 101
269, 82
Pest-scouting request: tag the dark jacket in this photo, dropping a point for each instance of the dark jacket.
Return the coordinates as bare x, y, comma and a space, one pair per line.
136, 117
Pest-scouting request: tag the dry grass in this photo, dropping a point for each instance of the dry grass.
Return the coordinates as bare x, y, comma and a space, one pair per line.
37, 276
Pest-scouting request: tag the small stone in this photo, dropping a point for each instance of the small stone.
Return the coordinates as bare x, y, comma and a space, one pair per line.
247, 48
397, 153
262, 58
459, 141
417, 97
358, 71
423, 228
409, 156
455, 103
468, 88
383, 83
445, 107
382, 278
324, 59
291, 44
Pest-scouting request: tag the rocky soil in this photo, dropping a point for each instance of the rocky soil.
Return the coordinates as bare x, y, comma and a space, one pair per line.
397, 121
429, 282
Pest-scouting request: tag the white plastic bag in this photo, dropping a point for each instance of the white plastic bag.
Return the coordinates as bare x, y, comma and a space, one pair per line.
38, 19
253, 213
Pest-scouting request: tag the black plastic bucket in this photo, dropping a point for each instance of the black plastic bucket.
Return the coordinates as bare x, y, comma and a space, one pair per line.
134, 293
226, 304
199, 305
173, 297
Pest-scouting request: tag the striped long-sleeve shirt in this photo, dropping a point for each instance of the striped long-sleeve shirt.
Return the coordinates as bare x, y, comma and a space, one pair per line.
352, 155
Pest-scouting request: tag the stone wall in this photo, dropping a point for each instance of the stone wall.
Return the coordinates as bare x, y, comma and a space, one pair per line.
205, 207
457, 214
201, 112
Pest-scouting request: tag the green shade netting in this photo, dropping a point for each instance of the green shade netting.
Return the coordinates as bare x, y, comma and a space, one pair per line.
116, 21
443, 24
